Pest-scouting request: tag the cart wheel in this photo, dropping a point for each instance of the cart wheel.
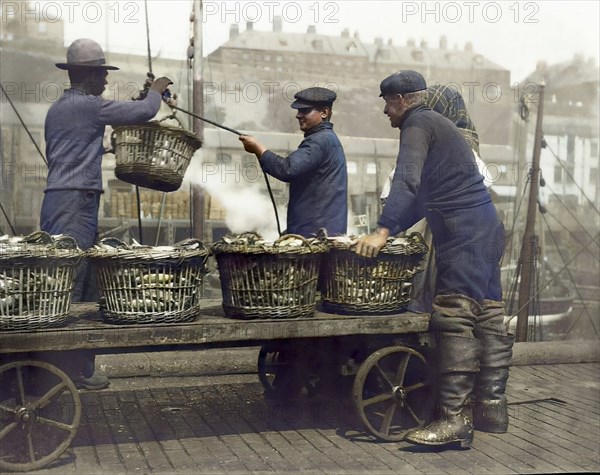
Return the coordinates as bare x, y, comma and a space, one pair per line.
41, 410
391, 392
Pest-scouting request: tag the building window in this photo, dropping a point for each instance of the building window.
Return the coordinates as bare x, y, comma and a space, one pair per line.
352, 168
570, 172
558, 177
594, 176
371, 168
417, 55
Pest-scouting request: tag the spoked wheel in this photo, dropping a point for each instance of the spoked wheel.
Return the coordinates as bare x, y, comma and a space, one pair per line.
392, 393
40, 412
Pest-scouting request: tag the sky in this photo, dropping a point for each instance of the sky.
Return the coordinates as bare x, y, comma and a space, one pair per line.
513, 34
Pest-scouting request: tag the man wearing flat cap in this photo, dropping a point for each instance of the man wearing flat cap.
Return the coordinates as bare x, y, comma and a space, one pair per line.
316, 171
74, 132
437, 178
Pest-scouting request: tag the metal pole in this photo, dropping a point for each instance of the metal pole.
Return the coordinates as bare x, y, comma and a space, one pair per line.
198, 215
527, 250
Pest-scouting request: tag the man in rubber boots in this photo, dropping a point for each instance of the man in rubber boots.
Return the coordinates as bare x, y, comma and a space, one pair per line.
437, 178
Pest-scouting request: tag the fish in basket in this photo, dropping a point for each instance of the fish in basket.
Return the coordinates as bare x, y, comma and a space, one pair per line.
261, 279
353, 284
153, 155
145, 284
36, 280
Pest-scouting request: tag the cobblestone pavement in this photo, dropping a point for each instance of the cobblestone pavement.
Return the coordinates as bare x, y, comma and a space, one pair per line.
221, 424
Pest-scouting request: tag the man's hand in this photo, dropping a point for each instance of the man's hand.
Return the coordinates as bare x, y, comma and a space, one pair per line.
160, 85
370, 245
252, 145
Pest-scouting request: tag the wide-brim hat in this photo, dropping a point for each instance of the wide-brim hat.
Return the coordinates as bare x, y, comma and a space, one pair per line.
85, 53
314, 97
402, 82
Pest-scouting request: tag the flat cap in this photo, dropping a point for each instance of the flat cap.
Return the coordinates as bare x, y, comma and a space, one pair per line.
314, 96
402, 82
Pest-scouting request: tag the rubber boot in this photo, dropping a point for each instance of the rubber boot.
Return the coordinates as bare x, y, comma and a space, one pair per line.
458, 367
490, 413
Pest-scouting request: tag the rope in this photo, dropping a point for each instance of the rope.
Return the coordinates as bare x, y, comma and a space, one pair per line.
579, 223
148, 37
8, 220
558, 272
570, 277
150, 75
233, 131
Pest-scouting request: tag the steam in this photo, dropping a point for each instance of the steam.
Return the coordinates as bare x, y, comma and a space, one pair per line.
246, 203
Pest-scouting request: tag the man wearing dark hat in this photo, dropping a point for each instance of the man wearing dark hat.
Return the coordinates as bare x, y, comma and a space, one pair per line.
316, 171
74, 132
437, 178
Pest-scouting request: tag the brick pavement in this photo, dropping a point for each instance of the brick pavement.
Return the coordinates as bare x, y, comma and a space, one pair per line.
218, 424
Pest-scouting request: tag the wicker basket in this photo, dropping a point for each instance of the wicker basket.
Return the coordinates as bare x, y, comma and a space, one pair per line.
143, 284
260, 280
36, 280
352, 284
153, 156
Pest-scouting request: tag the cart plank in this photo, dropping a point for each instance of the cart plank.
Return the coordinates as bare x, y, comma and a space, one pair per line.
85, 329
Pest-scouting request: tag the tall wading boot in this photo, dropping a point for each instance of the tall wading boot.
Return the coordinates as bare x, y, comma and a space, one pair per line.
490, 413
458, 366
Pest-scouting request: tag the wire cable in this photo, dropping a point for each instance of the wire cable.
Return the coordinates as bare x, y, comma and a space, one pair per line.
8, 220
23, 124
569, 211
566, 267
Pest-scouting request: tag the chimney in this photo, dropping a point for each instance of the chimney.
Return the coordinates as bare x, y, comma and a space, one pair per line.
249, 26
390, 42
469, 47
379, 41
356, 35
234, 30
423, 44
443, 42
541, 66
410, 43
312, 29
345, 33
277, 24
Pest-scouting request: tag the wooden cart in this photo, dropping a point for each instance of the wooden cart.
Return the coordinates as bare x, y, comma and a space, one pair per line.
383, 355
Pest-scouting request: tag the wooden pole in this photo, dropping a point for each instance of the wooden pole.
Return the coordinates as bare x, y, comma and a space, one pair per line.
526, 259
198, 200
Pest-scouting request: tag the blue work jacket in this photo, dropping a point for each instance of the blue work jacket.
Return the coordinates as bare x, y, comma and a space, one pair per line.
318, 180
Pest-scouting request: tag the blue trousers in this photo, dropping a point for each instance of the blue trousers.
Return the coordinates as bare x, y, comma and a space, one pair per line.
75, 213
469, 244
